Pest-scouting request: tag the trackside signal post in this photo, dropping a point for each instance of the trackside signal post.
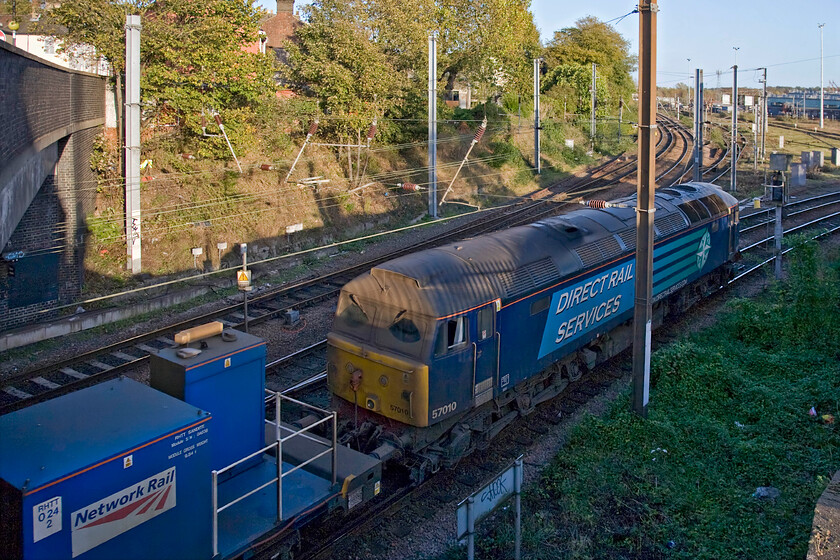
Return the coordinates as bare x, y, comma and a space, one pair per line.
645, 206
243, 279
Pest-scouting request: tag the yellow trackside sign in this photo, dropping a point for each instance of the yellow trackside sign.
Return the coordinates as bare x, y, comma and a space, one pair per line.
243, 278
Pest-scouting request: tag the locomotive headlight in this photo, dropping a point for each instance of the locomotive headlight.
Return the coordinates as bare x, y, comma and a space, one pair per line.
372, 402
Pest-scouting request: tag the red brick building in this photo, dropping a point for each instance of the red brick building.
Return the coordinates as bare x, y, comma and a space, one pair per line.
275, 30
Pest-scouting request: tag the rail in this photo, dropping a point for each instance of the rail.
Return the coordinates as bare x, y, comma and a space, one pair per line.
277, 448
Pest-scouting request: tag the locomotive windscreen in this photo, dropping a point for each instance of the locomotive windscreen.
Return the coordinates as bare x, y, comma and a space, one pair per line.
385, 326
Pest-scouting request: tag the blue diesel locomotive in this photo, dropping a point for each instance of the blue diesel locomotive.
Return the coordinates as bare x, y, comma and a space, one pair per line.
434, 353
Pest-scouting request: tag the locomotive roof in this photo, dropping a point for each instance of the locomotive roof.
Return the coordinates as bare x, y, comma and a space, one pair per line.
511, 263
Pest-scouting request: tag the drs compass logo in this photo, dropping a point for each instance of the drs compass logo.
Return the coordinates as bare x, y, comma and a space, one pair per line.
103, 520
703, 250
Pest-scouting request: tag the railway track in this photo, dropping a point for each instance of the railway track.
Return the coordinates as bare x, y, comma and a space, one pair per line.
110, 361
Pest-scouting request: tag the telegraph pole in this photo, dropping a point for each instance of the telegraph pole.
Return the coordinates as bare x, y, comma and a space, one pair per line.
688, 99
132, 143
822, 100
433, 127
698, 125
763, 113
537, 115
620, 115
645, 208
592, 106
733, 175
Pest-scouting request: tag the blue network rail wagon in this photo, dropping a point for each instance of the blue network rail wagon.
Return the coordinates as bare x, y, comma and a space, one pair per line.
117, 470
223, 373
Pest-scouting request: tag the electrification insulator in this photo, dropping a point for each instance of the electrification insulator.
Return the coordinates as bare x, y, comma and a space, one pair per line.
371, 131
603, 204
312, 128
267, 167
409, 187
480, 132
218, 119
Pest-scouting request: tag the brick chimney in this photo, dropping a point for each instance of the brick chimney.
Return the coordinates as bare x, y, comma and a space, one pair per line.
285, 6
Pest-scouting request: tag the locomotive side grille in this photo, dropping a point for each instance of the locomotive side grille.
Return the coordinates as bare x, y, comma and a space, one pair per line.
599, 251
628, 236
671, 223
609, 247
589, 254
516, 282
543, 271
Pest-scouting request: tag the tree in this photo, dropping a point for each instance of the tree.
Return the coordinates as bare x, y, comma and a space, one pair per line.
592, 41
490, 43
194, 58
571, 83
192, 55
334, 60
487, 43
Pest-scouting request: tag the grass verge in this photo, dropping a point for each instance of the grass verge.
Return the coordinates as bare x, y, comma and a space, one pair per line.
729, 413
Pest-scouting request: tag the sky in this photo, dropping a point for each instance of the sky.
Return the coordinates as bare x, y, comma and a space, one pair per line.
780, 35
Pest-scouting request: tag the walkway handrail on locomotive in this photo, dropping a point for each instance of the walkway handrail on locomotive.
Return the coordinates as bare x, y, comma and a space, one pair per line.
474, 360
277, 448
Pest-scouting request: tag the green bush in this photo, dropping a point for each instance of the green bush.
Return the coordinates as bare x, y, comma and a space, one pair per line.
503, 152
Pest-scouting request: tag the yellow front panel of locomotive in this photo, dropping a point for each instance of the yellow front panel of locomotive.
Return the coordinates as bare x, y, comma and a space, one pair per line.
386, 384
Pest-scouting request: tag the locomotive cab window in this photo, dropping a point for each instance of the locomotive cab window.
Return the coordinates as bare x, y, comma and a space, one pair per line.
695, 210
404, 329
400, 330
452, 334
352, 315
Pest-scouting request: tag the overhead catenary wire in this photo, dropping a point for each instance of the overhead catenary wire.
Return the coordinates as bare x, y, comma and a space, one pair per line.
257, 263
158, 183
118, 181
155, 182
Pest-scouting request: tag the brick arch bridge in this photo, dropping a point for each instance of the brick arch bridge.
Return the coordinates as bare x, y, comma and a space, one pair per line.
49, 118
